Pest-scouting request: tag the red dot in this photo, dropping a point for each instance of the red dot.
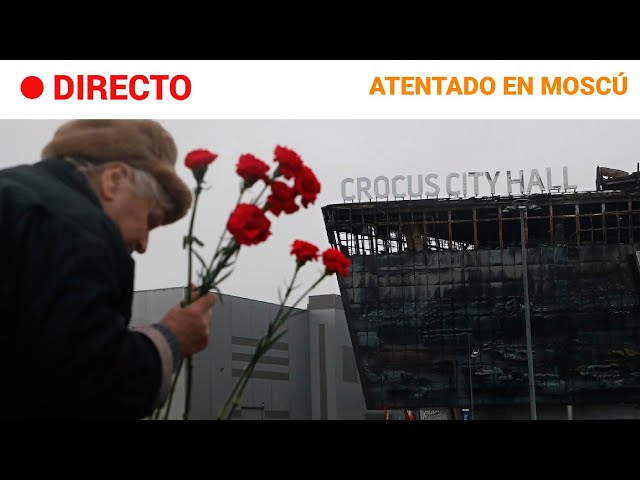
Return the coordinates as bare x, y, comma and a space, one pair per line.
32, 87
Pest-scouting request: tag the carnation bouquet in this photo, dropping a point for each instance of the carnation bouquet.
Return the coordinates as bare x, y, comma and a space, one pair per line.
281, 190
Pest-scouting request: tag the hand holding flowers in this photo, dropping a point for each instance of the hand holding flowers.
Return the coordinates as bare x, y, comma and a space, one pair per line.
291, 185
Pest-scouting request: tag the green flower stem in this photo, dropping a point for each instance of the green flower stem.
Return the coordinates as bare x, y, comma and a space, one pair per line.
208, 283
264, 189
242, 189
211, 275
187, 301
264, 344
197, 192
260, 350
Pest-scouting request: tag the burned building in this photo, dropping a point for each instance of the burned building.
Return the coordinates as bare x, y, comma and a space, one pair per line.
435, 298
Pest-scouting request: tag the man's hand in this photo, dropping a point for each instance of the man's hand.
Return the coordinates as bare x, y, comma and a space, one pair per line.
191, 324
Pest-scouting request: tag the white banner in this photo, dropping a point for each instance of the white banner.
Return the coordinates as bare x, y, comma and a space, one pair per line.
319, 89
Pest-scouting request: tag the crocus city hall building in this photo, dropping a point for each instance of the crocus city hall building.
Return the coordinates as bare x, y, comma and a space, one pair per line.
528, 300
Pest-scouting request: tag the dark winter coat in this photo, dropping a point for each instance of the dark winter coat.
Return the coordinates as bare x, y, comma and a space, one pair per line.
66, 287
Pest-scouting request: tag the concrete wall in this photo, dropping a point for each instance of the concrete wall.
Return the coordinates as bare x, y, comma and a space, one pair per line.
278, 388
286, 383
336, 393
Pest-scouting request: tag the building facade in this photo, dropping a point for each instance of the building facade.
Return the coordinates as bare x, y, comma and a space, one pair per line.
311, 373
435, 302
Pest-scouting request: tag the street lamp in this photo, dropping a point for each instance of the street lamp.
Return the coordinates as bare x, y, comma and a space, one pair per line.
472, 355
521, 204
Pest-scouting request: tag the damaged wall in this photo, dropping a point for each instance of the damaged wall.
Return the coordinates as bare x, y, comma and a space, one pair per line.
435, 293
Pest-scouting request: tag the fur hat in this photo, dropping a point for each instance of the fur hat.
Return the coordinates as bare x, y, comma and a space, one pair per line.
142, 144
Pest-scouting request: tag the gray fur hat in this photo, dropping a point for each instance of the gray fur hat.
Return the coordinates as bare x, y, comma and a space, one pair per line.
143, 144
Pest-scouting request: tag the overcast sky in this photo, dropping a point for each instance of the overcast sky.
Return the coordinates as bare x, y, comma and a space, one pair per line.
336, 149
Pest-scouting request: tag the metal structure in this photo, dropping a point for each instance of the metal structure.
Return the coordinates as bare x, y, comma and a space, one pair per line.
429, 275
472, 356
522, 205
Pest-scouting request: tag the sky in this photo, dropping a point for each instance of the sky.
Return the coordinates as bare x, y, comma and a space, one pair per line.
338, 149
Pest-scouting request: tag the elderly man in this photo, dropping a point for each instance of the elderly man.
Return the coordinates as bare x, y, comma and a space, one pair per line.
68, 226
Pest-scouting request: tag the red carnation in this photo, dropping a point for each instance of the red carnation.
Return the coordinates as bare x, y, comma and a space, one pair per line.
282, 199
335, 261
199, 158
290, 162
252, 169
248, 224
304, 251
307, 185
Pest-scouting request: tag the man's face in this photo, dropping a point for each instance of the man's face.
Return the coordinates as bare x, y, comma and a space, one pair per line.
135, 214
